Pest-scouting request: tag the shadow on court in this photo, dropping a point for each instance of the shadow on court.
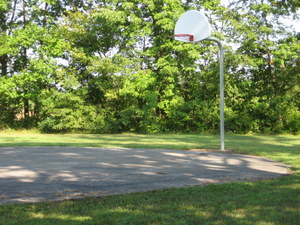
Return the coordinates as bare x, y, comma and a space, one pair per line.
33, 174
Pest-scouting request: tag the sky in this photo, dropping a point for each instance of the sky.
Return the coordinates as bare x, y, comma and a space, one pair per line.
289, 21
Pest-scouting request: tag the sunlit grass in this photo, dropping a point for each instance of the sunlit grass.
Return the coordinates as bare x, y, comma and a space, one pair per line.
115, 140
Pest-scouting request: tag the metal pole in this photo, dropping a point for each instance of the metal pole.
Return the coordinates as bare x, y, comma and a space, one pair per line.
222, 132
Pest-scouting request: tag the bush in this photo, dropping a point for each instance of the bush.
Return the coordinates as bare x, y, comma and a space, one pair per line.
64, 112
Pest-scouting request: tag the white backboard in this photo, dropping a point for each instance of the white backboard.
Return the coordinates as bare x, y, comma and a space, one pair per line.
194, 23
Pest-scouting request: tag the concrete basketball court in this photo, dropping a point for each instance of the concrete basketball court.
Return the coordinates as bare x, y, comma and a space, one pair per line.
33, 174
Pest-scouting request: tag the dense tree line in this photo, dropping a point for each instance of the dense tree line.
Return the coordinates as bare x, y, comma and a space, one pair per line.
113, 66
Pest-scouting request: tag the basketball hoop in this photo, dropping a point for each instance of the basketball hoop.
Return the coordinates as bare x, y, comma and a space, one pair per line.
184, 37
193, 26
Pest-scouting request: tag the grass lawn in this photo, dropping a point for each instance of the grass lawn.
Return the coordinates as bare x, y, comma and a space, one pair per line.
266, 202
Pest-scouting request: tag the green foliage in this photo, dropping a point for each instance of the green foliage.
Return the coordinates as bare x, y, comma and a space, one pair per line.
63, 112
119, 60
139, 113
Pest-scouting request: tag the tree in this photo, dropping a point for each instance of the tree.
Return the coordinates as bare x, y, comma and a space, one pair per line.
61, 58
30, 46
259, 63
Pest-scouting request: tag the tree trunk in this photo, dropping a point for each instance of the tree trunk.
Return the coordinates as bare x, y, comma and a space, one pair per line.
3, 63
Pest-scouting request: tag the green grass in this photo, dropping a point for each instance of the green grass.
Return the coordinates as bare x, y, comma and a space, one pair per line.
266, 202
114, 140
